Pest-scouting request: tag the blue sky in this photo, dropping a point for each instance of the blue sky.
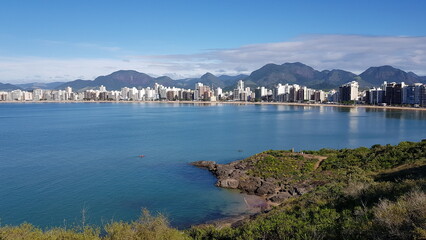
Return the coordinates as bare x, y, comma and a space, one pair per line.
61, 40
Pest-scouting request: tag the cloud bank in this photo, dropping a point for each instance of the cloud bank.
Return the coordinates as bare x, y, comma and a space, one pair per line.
348, 52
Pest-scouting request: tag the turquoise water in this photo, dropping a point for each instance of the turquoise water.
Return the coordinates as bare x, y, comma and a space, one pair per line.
58, 159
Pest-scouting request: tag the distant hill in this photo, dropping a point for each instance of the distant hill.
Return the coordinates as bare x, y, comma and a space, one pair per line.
8, 87
207, 79
272, 74
232, 80
210, 79
130, 78
376, 75
76, 84
120, 79
298, 73
269, 76
35, 85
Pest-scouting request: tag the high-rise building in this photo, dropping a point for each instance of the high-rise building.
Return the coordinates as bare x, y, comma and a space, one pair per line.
218, 93
412, 94
102, 88
240, 84
375, 96
240, 93
394, 93
423, 95
349, 91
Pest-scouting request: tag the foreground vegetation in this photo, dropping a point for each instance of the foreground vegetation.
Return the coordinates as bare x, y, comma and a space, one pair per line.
363, 193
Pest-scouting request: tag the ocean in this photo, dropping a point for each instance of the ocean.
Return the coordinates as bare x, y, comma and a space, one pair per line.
58, 160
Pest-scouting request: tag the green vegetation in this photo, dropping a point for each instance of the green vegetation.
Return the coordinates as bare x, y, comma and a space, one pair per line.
282, 165
147, 227
363, 193
375, 158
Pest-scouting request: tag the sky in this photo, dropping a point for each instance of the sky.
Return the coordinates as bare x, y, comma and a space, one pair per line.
58, 40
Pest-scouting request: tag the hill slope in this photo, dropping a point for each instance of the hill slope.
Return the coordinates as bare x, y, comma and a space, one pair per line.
376, 75
120, 79
269, 76
299, 73
8, 87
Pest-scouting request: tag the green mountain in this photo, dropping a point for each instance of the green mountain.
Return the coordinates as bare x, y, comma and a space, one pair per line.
207, 79
299, 73
269, 76
120, 79
231, 80
376, 75
35, 85
8, 87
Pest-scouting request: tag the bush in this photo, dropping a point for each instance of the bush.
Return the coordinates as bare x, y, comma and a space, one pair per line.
403, 219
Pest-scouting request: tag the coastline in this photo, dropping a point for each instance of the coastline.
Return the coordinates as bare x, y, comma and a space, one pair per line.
236, 103
255, 205
261, 194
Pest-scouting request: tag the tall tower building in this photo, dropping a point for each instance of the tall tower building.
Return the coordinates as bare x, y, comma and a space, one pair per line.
349, 91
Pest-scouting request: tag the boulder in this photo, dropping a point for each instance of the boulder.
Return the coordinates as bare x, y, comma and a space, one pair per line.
250, 185
228, 183
210, 165
266, 188
224, 170
280, 197
300, 190
237, 174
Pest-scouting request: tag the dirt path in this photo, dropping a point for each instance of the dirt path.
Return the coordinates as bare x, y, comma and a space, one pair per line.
318, 163
319, 158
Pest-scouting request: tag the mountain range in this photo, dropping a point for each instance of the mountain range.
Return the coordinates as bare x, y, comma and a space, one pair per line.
8, 87
269, 76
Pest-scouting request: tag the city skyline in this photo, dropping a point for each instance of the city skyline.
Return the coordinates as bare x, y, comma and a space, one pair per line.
389, 93
59, 41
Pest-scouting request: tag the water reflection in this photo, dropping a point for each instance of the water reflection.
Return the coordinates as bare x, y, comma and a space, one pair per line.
399, 114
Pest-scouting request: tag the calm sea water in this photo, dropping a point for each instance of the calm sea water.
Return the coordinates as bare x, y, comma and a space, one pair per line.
58, 159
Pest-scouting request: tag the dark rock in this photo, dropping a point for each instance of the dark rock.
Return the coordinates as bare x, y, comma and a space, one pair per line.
228, 183
241, 165
237, 174
210, 165
224, 170
280, 197
266, 188
300, 190
271, 180
250, 184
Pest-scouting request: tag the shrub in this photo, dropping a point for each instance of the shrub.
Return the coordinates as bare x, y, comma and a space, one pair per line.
404, 218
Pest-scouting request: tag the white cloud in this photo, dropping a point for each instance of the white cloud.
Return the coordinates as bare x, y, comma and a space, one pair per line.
348, 52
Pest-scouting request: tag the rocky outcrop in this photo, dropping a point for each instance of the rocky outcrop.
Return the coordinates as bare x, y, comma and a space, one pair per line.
235, 176
210, 165
228, 183
280, 197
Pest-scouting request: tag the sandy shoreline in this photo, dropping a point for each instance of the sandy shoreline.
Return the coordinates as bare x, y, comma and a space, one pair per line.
234, 103
254, 205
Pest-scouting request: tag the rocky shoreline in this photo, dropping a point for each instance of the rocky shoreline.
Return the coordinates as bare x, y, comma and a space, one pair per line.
235, 175
263, 193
